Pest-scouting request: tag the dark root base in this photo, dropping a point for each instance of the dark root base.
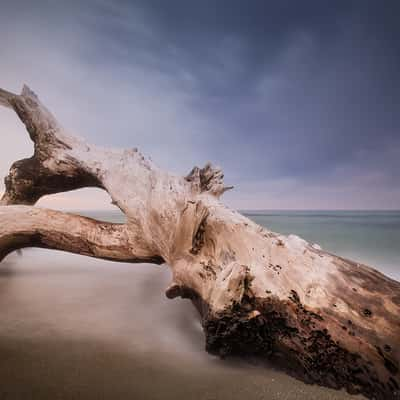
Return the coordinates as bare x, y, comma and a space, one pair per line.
290, 336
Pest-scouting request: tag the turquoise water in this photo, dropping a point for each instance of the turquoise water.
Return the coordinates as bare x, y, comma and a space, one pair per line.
370, 237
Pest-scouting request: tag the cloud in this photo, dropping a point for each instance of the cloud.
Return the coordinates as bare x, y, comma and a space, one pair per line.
292, 101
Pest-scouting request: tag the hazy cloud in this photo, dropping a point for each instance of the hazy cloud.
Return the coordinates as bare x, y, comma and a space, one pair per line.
298, 102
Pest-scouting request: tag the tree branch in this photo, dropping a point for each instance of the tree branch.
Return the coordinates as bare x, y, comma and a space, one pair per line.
25, 226
50, 169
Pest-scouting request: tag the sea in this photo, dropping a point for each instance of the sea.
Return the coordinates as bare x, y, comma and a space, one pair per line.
73, 327
369, 237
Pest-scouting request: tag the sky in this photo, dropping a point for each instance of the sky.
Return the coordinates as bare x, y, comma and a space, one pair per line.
297, 101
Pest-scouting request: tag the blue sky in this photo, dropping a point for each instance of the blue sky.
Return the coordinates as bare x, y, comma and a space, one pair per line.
299, 102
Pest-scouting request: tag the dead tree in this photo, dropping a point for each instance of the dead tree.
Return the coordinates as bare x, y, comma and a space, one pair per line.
328, 320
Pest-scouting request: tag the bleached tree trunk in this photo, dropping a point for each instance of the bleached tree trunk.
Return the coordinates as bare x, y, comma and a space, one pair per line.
326, 319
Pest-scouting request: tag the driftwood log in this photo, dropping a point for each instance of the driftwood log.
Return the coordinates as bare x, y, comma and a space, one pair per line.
326, 319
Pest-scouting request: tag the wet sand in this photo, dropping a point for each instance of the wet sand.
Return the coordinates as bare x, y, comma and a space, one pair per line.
77, 328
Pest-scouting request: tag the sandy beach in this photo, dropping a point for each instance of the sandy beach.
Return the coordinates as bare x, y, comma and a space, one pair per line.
79, 328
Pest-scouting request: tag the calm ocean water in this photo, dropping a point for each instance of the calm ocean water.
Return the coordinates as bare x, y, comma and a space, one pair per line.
370, 237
